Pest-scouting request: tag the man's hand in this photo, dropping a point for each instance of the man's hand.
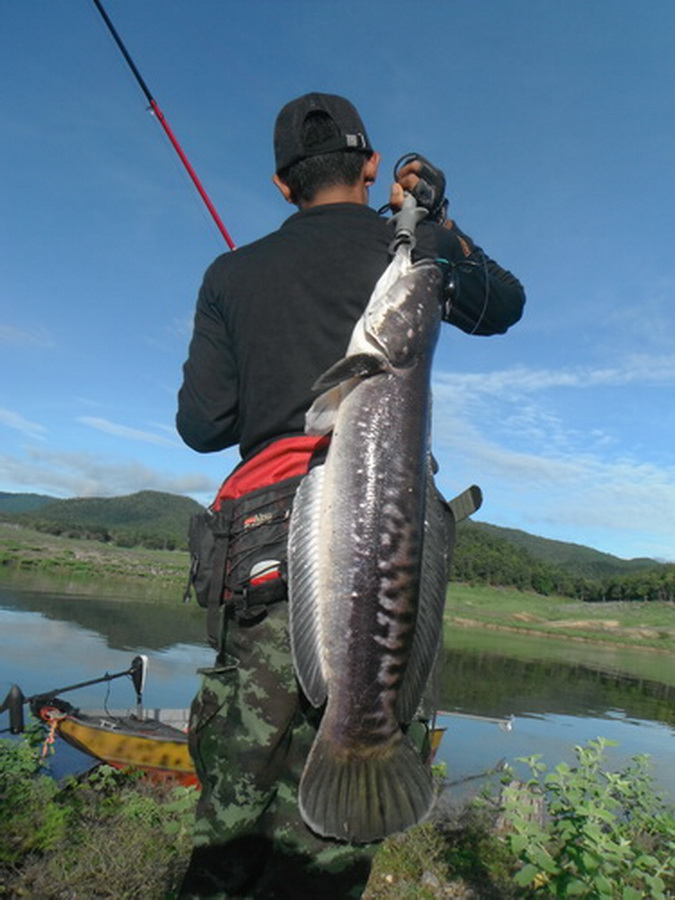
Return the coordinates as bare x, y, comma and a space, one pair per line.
425, 182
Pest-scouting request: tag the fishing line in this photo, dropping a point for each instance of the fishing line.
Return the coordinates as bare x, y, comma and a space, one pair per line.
157, 112
453, 284
486, 297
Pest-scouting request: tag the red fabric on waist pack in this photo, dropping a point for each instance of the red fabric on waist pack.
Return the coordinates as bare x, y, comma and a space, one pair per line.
283, 459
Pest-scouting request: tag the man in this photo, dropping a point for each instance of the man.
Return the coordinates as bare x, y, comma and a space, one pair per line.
270, 318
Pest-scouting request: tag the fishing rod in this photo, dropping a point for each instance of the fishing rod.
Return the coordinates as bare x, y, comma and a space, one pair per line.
154, 107
15, 700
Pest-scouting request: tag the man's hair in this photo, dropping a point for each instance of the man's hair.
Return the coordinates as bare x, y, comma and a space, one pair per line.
339, 167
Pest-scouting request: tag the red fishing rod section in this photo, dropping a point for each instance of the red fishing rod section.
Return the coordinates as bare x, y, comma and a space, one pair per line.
165, 125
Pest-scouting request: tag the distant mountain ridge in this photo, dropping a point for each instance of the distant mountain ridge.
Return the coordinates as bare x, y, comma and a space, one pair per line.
19, 503
147, 518
570, 557
155, 517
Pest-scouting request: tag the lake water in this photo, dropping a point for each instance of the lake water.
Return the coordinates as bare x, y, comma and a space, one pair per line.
505, 695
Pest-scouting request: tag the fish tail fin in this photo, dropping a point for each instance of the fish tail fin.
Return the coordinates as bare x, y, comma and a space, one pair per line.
364, 798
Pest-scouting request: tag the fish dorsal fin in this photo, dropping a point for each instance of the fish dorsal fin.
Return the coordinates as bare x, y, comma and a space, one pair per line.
433, 587
304, 587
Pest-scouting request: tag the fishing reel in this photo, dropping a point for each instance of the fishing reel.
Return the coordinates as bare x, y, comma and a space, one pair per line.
428, 192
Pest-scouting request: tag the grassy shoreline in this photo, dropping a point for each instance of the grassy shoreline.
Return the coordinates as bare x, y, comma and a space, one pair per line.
34, 560
641, 625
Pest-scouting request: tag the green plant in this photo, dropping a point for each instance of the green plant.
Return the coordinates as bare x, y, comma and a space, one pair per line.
107, 780
31, 821
409, 866
581, 831
180, 810
108, 835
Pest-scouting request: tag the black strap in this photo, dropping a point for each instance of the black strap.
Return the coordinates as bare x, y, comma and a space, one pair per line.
246, 607
215, 596
192, 574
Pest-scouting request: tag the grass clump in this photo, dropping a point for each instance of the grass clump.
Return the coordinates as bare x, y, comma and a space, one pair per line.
409, 866
109, 835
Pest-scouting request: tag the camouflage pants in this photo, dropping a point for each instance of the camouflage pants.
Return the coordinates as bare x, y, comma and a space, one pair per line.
250, 732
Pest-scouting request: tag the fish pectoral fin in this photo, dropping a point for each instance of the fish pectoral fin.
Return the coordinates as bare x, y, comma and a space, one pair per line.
337, 383
358, 365
320, 417
303, 586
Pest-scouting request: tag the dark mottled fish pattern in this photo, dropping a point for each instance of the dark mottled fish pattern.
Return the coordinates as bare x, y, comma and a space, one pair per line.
366, 587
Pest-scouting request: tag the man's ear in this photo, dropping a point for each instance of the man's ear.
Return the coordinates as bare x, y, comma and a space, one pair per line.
284, 188
370, 168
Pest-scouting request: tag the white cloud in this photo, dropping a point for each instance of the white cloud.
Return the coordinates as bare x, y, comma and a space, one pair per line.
648, 320
17, 422
67, 474
551, 479
22, 337
124, 431
176, 333
637, 369
168, 429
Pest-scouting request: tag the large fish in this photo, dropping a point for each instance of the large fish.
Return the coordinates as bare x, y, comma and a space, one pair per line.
366, 586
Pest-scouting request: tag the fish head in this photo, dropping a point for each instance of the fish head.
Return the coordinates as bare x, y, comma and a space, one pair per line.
403, 320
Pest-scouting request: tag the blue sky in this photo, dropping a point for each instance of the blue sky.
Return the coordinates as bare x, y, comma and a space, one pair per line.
555, 124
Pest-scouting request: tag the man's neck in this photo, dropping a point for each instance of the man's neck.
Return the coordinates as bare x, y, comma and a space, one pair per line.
341, 193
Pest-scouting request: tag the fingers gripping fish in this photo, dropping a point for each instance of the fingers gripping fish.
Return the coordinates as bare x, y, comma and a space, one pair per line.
366, 586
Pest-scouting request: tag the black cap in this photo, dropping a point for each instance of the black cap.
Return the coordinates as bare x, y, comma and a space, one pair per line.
289, 147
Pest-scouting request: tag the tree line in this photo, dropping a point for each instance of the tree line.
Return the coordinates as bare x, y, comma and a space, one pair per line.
482, 558
119, 537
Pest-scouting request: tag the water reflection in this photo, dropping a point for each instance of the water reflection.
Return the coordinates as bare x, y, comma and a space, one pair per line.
125, 623
47, 641
556, 702
497, 684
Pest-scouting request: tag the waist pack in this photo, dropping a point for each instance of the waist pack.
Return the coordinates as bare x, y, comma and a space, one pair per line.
239, 553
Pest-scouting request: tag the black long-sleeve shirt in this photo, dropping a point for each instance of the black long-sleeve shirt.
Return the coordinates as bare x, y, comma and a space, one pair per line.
275, 314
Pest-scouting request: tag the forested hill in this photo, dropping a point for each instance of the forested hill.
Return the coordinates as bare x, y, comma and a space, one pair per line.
148, 518
574, 558
484, 554
19, 503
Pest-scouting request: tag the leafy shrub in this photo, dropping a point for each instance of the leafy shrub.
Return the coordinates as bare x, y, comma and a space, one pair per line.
580, 831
